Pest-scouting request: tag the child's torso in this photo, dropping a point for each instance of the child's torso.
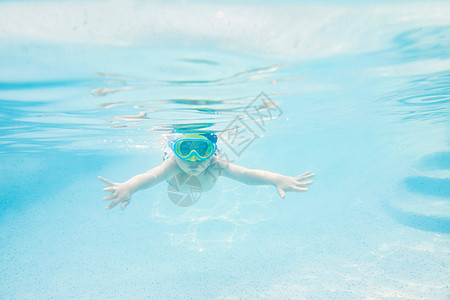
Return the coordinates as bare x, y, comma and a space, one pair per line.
204, 181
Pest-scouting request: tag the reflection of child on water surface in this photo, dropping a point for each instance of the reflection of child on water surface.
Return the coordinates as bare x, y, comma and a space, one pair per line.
194, 156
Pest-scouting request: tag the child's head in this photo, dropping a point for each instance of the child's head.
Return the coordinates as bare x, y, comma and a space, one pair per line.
194, 151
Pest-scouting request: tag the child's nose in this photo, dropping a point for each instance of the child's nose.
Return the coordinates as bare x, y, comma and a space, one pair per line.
194, 158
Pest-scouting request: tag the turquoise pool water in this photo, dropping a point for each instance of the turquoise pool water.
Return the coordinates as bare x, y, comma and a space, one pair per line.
357, 93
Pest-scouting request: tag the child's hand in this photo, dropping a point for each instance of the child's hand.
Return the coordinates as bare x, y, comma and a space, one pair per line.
293, 184
119, 193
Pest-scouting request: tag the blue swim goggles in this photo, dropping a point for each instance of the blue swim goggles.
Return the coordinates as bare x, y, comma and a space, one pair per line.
194, 147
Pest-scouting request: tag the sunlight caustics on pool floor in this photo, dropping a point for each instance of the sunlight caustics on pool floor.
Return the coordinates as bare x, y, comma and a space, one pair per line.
356, 93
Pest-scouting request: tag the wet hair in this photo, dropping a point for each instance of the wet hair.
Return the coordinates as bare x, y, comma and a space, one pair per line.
210, 136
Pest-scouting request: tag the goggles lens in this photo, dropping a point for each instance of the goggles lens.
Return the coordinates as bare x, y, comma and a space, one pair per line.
186, 148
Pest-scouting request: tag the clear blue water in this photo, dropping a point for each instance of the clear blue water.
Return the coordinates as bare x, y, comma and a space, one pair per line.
363, 93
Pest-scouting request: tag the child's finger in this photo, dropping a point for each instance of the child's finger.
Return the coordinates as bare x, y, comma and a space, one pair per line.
304, 176
302, 184
109, 197
281, 192
307, 174
106, 181
112, 204
125, 204
300, 189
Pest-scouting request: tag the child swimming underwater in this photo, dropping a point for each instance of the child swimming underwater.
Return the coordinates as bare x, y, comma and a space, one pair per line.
194, 155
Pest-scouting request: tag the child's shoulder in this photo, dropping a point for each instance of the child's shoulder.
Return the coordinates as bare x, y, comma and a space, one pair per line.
170, 166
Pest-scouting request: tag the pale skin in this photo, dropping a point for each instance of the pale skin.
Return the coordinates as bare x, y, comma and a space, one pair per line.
207, 172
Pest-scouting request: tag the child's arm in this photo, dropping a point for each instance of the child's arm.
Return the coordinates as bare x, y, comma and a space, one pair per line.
260, 177
121, 192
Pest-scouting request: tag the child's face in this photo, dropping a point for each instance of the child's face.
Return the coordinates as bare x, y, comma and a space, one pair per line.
193, 168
